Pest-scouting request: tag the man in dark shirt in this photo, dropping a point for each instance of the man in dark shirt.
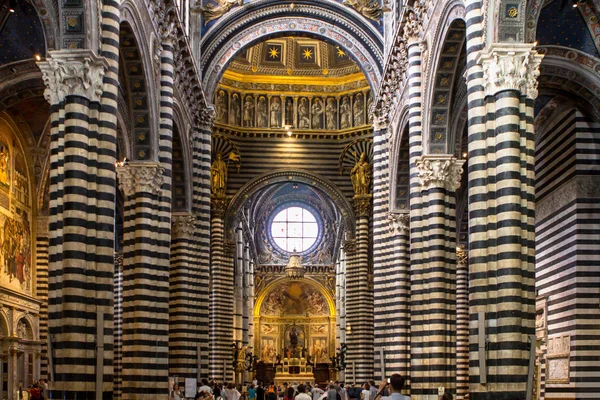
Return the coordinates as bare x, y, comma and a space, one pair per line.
260, 392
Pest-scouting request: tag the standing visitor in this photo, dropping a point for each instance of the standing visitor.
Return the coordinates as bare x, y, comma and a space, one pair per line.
252, 392
396, 384
366, 393
302, 393
260, 392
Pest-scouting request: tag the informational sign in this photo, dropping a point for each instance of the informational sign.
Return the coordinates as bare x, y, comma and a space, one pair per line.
190, 387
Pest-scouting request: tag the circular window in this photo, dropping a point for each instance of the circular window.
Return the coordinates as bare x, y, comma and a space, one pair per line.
294, 229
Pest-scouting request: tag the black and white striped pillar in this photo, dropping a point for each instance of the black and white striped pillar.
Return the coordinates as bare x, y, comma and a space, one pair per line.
462, 324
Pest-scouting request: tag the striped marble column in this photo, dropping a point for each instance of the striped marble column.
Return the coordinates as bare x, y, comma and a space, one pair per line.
502, 221
238, 292
41, 287
462, 324
433, 278
221, 295
118, 288
201, 205
183, 301
359, 297
81, 222
145, 282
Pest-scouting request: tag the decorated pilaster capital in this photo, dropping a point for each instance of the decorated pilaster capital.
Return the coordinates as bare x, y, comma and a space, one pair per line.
362, 205
511, 66
349, 246
380, 118
73, 72
183, 225
399, 223
218, 205
440, 170
206, 118
42, 226
119, 261
462, 256
140, 177
229, 248
167, 31
413, 25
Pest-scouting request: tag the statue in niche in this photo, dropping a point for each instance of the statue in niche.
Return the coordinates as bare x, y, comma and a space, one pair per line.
359, 110
317, 111
249, 112
345, 112
221, 107
304, 121
234, 117
369, 104
331, 114
361, 176
218, 174
289, 111
275, 112
4, 165
261, 110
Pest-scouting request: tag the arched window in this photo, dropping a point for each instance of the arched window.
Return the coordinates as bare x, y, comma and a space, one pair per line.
294, 229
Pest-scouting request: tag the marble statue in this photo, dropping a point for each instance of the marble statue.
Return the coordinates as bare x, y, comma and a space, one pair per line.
218, 174
234, 116
361, 176
249, 112
359, 110
345, 112
275, 112
331, 114
368, 108
289, 111
317, 111
303, 119
221, 107
261, 111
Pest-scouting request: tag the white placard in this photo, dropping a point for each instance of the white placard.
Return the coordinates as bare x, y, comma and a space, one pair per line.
190, 387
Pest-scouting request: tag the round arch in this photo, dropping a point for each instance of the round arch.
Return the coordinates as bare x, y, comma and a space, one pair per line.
315, 284
291, 175
331, 22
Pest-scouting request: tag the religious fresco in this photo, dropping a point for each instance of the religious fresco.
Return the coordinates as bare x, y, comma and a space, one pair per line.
4, 166
294, 298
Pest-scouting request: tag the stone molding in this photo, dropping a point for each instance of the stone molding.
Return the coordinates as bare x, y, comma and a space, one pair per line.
362, 205
137, 177
579, 187
440, 170
73, 72
183, 225
399, 223
511, 66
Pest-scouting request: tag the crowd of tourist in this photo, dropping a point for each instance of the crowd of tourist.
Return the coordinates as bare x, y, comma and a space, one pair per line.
390, 389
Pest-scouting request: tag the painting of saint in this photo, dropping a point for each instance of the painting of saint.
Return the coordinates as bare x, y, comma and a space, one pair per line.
4, 166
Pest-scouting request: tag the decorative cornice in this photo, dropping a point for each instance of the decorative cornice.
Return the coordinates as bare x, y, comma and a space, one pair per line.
183, 225
362, 205
441, 170
218, 205
42, 226
513, 66
399, 223
579, 187
140, 176
73, 72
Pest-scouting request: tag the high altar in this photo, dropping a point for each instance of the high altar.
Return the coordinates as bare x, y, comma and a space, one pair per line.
294, 370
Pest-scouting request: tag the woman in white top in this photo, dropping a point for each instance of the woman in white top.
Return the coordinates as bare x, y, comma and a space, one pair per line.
366, 393
231, 393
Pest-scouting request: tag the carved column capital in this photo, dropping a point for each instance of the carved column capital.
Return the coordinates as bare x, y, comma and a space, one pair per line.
349, 246
206, 117
119, 261
218, 205
441, 170
42, 226
399, 223
229, 248
380, 118
362, 205
412, 25
462, 256
183, 225
513, 66
73, 72
137, 177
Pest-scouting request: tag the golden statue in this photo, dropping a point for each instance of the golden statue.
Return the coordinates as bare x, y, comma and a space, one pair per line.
216, 11
369, 8
361, 176
218, 176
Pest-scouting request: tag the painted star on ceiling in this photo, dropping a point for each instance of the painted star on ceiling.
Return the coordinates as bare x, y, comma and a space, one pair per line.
340, 52
273, 52
307, 54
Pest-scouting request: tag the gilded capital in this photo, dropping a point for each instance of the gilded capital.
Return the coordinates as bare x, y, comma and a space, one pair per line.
462, 256
362, 205
183, 225
218, 205
73, 72
399, 223
137, 177
514, 66
440, 170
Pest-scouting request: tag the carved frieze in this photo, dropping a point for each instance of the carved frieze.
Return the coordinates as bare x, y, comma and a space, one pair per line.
511, 66
399, 223
440, 171
583, 187
138, 177
72, 72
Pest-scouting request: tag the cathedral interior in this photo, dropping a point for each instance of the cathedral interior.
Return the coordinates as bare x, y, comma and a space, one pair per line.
300, 191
